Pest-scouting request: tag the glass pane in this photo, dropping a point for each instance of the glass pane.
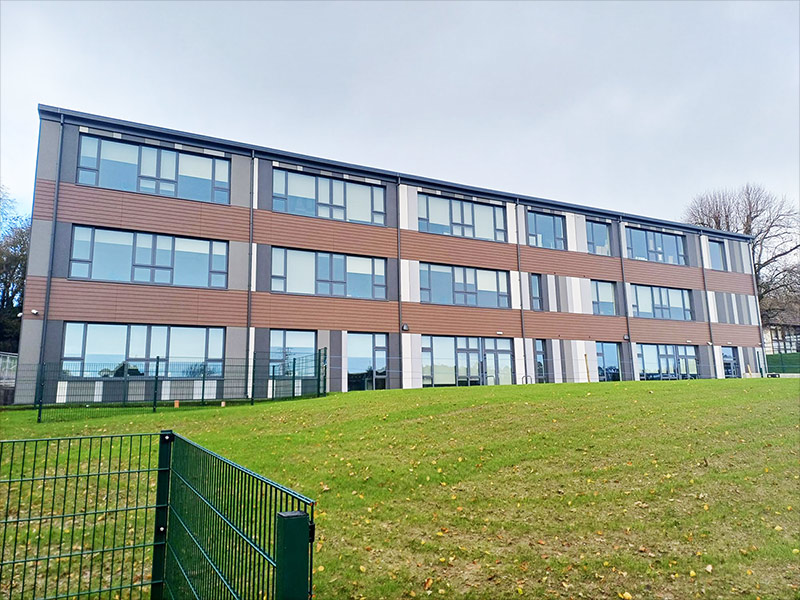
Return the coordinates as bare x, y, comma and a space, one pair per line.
279, 182
221, 172
147, 168
377, 199
359, 202
219, 280
137, 344
194, 177
88, 156
81, 243
158, 342
444, 361
87, 177
300, 276
299, 343
302, 194
148, 186
219, 258
323, 266
484, 222
162, 275
118, 165
73, 340
166, 189
338, 192
216, 335
163, 251
278, 257
168, 160
441, 284
113, 253
105, 348
187, 344
359, 277
79, 269
144, 249
141, 274
191, 262
359, 353
438, 215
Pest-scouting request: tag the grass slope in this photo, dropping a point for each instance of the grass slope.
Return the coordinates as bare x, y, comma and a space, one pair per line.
562, 491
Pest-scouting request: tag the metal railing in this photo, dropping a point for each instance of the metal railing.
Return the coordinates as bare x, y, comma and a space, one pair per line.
146, 515
70, 389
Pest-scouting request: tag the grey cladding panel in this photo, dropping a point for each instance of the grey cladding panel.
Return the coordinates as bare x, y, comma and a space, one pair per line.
69, 154
264, 185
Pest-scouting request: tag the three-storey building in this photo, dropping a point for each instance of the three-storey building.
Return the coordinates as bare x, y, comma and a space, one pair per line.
151, 242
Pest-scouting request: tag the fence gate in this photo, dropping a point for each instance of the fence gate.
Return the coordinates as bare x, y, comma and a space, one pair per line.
146, 516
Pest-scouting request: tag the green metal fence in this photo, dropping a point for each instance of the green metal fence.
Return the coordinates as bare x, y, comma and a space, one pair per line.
69, 389
784, 363
146, 516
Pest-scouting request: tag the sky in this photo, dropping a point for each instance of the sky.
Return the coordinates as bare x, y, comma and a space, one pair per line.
630, 106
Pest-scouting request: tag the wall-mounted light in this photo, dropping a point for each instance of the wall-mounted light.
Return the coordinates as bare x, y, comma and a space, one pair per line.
404, 327
19, 315
626, 337
499, 333
34, 311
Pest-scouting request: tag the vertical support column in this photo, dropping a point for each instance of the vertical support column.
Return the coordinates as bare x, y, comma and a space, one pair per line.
292, 538
162, 513
38, 392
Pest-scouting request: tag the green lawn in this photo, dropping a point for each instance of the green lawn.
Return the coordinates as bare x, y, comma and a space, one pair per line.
653, 489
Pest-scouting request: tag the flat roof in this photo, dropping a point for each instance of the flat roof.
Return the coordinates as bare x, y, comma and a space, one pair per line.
55, 113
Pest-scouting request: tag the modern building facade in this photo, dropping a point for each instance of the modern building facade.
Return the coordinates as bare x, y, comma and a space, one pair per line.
151, 242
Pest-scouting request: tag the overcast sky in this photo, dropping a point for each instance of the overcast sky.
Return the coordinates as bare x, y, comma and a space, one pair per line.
632, 106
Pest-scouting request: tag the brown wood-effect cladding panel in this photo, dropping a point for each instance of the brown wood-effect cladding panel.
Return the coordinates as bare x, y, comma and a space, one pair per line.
658, 331
43, 198
574, 326
570, 264
433, 248
131, 303
35, 291
434, 319
653, 273
737, 335
127, 210
292, 231
288, 311
735, 283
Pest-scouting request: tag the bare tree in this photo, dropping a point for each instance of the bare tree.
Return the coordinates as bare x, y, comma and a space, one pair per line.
14, 244
774, 223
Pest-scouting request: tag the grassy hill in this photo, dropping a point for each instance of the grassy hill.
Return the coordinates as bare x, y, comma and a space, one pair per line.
653, 489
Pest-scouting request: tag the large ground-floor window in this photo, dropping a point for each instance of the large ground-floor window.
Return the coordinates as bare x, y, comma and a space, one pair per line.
115, 350
366, 361
466, 361
667, 361
292, 352
541, 362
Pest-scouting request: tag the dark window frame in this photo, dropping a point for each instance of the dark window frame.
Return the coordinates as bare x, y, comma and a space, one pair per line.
673, 362
655, 247
534, 229
462, 289
596, 302
590, 235
380, 380
723, 258
460, 223
536, 292
660, 301
602, 370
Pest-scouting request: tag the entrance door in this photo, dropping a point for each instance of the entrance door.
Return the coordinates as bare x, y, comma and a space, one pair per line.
730, 363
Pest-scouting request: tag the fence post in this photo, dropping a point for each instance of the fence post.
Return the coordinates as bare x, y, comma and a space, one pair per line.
203, 392
294, 374
162, 512
292, 538
125, 383
272, 382
324, 371
38, 391
155, 385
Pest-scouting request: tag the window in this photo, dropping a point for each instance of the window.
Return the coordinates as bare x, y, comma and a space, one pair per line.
442, 284
328, 274
134, 168
603, 301
655, 246
110, 255
660, 361
662, 303
598, 238
292, 349
464, 361
546, 230
608, 361
716, 250
366, 361
537, 299
314, 196
104, 350
461, 218
541, 362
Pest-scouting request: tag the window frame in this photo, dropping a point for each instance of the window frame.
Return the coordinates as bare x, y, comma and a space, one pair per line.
591, 246
600, 350
378, 215
376, 348
596, 302
461, 289
673, 361
654, 245
661, 302
153, 265
722, 255
148, 360
458, 222
380, 291
467, 349
537, 299
532, 220
217, 184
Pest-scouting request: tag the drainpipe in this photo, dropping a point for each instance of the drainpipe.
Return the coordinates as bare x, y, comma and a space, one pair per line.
249, 381
51, 259
521, 291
